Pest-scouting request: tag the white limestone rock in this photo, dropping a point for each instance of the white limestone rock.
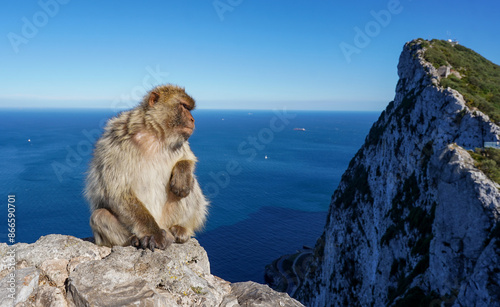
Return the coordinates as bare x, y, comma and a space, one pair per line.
65, 271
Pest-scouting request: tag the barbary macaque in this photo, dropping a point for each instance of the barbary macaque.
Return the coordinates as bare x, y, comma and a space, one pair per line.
141, 184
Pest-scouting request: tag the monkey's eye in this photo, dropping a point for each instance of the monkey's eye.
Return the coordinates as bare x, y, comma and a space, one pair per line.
185, 106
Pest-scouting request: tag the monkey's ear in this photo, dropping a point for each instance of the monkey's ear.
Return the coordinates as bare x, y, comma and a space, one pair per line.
153, 98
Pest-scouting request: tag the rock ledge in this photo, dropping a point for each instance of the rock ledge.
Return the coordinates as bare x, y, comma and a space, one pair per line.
60, 270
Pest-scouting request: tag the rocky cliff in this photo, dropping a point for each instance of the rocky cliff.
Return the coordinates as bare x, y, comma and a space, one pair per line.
413, 219
62, 270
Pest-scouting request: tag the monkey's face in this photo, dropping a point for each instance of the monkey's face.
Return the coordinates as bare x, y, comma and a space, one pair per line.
171, 109
184, 121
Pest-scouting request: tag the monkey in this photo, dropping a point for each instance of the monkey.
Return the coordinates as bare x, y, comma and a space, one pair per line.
140, 184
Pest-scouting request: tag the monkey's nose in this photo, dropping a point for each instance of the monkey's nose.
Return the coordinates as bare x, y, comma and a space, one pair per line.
190, 123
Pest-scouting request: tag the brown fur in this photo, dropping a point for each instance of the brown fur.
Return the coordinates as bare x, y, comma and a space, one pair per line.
141, 185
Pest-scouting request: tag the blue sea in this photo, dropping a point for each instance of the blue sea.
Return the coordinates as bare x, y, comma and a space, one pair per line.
269, 176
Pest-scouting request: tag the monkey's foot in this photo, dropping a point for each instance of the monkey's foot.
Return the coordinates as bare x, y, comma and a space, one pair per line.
180, 233
161, 240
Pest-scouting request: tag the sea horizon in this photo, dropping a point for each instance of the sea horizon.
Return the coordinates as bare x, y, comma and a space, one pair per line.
48, 109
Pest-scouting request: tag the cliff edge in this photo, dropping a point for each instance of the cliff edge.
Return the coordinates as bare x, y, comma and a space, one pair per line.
414, 220
62, 270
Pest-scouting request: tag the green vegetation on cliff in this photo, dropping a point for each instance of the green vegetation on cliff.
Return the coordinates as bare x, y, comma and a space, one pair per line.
475, 77
488, 161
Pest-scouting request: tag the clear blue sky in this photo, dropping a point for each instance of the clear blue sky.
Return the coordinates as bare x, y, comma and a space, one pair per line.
246, 54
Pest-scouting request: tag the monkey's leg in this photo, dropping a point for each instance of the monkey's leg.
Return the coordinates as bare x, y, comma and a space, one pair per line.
108, 231
180, 233
182, 180
147, 234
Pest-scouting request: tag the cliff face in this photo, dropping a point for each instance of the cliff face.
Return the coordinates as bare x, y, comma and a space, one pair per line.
413, 219
62, 270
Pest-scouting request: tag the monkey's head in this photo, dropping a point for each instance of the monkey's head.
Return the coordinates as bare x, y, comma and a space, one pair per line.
168, 111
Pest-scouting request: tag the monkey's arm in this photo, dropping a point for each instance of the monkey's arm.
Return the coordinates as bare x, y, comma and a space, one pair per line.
182, 179
146, 232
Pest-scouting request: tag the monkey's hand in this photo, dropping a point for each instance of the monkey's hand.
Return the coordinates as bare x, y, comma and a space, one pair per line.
182, 180
160, 240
